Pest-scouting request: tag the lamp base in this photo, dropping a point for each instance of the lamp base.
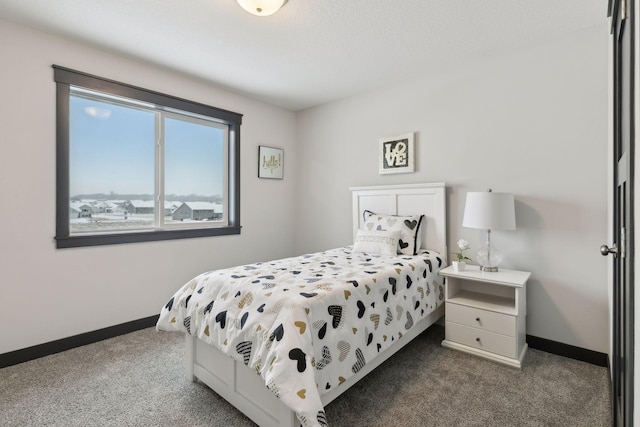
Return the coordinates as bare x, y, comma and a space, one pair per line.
489, 257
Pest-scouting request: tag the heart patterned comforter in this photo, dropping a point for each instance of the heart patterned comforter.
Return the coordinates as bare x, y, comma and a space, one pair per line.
308, 323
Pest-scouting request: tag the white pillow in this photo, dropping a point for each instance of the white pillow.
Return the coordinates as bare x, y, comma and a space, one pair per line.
409, 227
376, 242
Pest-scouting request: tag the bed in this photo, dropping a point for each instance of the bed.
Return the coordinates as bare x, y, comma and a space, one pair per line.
281, 339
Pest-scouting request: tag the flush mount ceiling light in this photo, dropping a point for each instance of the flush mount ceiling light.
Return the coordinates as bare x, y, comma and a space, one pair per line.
262, 7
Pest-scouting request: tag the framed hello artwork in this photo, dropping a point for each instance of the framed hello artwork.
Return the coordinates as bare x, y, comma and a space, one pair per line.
270, 162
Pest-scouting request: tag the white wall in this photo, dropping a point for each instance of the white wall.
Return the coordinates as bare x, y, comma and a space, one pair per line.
533, 123
48, 294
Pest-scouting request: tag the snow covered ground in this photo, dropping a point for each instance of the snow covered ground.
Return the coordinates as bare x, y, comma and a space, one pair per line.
115, 222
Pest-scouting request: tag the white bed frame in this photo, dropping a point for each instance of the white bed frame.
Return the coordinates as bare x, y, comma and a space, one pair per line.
245, 389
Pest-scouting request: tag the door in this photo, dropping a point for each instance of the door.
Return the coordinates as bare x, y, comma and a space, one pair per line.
622, 33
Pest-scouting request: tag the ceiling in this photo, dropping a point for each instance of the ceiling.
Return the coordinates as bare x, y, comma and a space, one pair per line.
311, 51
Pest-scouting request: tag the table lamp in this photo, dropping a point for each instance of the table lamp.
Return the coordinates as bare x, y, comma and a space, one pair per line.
490, 211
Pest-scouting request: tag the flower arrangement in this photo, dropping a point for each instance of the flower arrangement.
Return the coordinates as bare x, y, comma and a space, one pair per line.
463, 245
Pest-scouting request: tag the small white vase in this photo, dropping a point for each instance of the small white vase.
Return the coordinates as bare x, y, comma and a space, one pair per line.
459, 265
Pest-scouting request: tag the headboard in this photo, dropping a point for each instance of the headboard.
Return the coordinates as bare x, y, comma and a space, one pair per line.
410, 199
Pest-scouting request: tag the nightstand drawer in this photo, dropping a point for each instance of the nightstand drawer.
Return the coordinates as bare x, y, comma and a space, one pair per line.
486, 320
480, 339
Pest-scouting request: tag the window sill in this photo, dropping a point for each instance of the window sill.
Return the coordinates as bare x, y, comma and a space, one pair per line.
142, 236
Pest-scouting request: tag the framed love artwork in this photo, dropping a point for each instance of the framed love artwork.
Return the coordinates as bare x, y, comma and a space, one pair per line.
396, 154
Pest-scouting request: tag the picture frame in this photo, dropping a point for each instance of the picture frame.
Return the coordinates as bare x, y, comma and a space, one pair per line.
270, 162
397, 154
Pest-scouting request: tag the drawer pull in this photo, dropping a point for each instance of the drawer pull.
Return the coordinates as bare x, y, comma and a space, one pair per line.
478, 339
477, 319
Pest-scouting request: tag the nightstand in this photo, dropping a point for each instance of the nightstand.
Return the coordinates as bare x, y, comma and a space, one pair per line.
485, 313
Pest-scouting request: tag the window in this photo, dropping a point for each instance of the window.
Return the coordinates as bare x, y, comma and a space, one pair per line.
135, 165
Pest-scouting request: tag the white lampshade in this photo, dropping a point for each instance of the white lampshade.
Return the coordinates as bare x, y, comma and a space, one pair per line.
490, 211
261, 7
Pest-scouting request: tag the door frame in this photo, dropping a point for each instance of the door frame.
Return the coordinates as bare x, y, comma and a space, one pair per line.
622, 357
636, 234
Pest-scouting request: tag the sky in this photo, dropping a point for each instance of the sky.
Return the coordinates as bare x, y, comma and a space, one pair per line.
111, 149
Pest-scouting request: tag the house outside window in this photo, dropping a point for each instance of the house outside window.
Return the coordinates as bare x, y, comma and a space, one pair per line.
129, 158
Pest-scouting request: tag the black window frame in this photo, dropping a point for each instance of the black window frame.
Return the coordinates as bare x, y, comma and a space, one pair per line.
65, 78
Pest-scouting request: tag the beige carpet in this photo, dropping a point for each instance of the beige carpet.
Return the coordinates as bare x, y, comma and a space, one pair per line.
137, 380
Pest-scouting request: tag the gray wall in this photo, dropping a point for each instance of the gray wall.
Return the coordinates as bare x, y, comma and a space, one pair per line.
48, 294
533, 123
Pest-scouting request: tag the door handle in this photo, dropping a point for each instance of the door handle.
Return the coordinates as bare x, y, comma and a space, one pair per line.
606, 250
